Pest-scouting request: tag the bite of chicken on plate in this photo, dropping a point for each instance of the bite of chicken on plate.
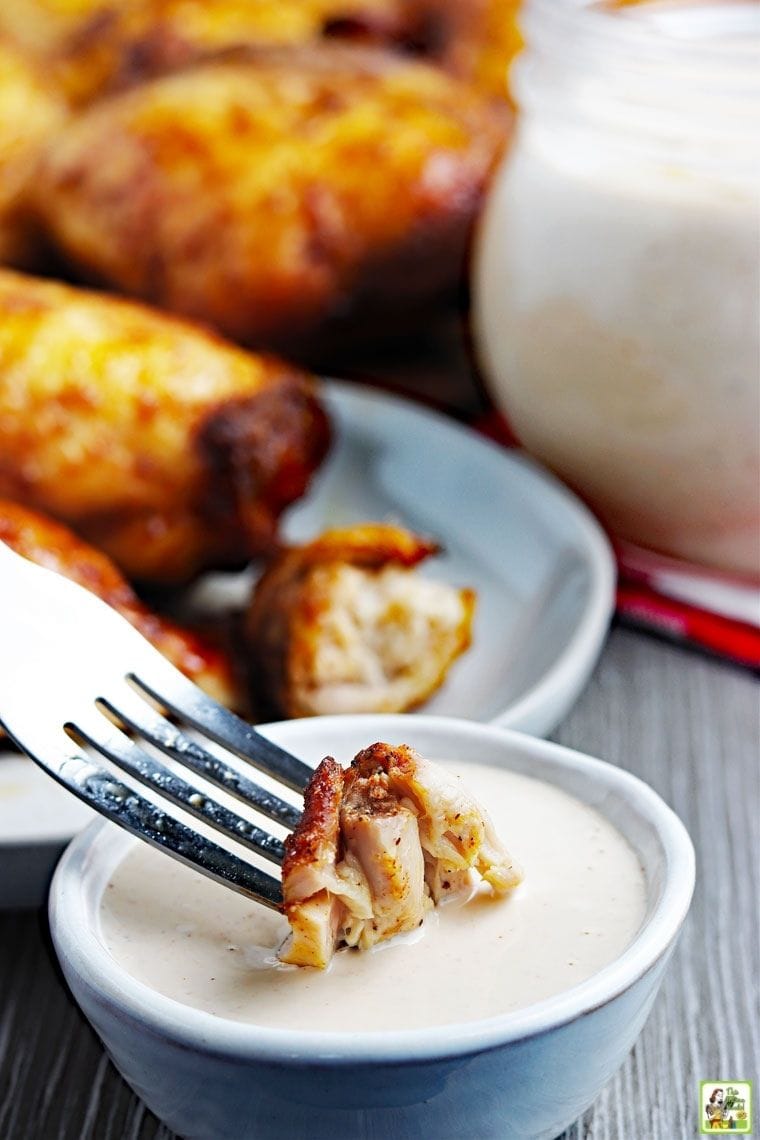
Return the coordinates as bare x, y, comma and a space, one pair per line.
343, 624
380, 843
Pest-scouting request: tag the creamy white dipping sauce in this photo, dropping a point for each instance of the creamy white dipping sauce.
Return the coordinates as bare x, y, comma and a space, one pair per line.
580, 905
617, 280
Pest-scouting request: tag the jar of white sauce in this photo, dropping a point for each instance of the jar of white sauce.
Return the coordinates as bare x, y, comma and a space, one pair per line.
616, 272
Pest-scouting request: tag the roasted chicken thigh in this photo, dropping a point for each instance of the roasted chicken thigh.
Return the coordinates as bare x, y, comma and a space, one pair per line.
475, 40
162, 445
289, 198
30, 112
96, 47
378, 845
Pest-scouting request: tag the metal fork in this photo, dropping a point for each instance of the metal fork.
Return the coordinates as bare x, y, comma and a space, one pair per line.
76, 677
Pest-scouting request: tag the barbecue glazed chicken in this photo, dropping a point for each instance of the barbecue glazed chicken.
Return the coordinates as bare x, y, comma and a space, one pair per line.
344, 624
30, 111
377, 846
285, 198
166, 448
53, 546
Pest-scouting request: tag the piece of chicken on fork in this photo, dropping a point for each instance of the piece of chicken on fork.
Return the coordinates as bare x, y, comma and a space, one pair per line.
378, 845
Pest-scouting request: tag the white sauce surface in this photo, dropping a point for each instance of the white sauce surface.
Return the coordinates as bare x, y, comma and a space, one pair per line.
580, 905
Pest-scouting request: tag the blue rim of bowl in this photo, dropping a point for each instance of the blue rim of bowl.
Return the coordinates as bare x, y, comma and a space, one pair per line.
82, 952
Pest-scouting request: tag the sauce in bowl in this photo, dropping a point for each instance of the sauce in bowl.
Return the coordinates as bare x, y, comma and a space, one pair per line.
580, 905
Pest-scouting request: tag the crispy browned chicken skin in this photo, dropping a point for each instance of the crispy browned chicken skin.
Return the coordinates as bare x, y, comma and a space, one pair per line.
55, 547
283, 198
378, 844
165, 447
343, 624
95, 47
30, 112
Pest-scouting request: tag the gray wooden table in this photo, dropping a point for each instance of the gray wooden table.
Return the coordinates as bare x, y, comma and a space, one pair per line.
687, 725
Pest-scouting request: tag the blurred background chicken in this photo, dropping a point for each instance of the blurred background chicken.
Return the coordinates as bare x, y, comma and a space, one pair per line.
55, 547
31, 110
167, 448
290, 199
303, 175
94, 47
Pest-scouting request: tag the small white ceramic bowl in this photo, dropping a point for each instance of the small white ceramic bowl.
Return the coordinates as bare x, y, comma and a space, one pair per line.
526, 1074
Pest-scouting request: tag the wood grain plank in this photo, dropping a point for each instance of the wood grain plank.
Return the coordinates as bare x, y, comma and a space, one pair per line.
689, 727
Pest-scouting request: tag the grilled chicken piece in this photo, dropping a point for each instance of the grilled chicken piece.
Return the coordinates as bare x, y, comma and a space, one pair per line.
125, 42
312, 907
30, 111
41, 27
96, 47
236, 192
377, 846
165, 447
382, 834
343, 624
55, 547
476, 40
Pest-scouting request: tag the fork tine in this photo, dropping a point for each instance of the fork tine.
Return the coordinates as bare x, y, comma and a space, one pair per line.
43, 614
132, 710
114, 746
186, 701
148, 821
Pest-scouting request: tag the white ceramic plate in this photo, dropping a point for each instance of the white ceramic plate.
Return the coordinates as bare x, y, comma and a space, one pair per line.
540, 564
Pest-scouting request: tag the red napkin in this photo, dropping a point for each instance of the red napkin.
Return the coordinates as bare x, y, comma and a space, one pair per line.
686, 603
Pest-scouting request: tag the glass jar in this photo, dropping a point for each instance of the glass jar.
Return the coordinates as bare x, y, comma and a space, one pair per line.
616, 293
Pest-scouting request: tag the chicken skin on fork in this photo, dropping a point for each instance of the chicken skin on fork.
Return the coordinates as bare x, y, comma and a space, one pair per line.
290, 198
165, 447
344, 624
377, 846
55, 547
